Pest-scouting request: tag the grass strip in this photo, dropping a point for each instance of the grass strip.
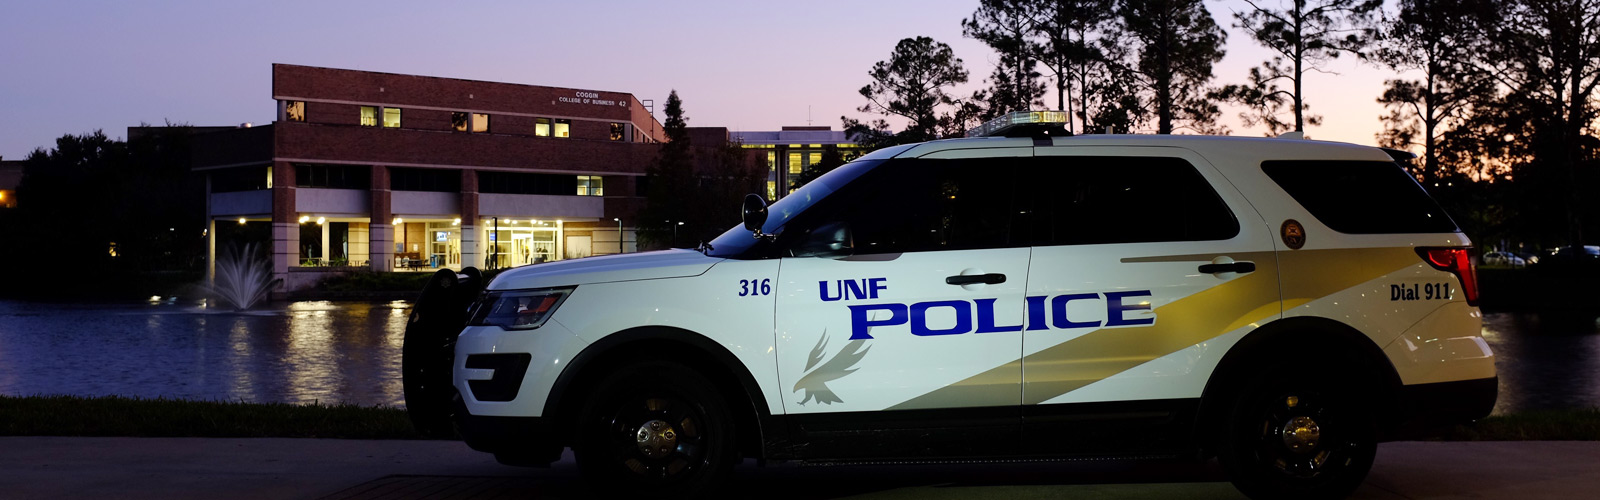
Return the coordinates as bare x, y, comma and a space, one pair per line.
138, 417
1542, 425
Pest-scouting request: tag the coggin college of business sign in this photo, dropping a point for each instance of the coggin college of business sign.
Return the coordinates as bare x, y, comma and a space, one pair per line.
591, 98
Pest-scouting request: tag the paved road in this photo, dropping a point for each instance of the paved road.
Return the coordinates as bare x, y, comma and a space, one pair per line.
178, 468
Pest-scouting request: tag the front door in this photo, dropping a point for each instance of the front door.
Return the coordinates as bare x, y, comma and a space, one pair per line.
902, 335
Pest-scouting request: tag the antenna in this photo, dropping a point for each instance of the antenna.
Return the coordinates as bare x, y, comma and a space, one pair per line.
808, 115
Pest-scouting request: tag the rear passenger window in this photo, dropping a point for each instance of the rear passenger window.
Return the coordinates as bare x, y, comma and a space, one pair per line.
1087, 200
1360, 197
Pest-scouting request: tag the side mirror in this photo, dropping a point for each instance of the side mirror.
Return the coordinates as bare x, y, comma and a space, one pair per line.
828, 240
754, 213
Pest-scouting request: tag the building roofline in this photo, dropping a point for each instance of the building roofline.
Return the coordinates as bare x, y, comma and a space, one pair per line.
629, 94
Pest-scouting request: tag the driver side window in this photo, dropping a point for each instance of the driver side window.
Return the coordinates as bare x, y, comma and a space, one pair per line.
928, 205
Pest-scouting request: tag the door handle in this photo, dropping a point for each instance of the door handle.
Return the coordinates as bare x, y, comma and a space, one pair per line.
1231, 267
973, 279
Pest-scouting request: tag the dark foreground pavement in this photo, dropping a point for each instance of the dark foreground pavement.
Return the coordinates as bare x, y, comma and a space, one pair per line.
179, 468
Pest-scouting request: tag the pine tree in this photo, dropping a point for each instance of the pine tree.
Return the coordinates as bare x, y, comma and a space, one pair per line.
1173, 44
1303, 36
670, 180
1007, 26
912, 84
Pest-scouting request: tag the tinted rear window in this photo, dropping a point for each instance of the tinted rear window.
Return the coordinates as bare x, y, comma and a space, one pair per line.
1360, 197
1088, 200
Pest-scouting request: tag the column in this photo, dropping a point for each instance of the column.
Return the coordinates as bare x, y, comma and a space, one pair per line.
285, 224
380, 231
324, 228
211, 247
469, 219
211, 237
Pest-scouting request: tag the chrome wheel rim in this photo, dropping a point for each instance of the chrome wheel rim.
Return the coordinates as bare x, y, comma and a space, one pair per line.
659, 438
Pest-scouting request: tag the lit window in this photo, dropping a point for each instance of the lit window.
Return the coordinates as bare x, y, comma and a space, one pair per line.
814, 158
294, 111
616, 131
794, 163
391, 117
458, 121
772, 190
563, 128
772, 161
591, 185
369, 116
541, 127
480, 122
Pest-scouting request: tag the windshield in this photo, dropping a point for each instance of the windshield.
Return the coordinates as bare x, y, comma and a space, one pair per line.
737, 240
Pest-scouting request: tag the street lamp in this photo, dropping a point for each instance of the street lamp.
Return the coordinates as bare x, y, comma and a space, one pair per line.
675, 232
619, 233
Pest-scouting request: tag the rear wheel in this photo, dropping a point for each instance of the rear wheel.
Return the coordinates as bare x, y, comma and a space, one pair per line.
656, 428
1297, 431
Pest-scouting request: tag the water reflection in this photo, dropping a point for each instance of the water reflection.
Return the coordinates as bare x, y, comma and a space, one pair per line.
1545, 361
349, 352
329, 352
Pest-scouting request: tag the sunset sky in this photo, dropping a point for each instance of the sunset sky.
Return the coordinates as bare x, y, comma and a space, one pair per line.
75, 66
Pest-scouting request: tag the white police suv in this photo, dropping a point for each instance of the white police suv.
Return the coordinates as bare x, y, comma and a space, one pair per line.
1283, 305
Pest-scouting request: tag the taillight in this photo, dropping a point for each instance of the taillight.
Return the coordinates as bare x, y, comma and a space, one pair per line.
1458, 261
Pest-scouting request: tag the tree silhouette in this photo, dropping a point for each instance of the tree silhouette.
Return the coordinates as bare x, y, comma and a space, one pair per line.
1172, 45
1437, 41
1007, 26
670, 179
1303, 35
1545, 56
1067, 41
912, 83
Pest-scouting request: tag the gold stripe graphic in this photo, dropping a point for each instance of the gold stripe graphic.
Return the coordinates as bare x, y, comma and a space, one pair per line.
1250, 298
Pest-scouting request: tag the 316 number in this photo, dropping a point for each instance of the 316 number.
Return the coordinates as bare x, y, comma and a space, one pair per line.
749, 288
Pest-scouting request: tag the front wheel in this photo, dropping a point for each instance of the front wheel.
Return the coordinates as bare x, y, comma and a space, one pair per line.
1295, 431
656, 428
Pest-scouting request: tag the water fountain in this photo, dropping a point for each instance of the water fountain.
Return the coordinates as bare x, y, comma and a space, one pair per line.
243, 277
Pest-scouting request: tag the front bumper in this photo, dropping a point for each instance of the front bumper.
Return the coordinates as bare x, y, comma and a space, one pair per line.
523, 441
506, 373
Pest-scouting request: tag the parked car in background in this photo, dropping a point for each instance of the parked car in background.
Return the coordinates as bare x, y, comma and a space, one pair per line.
1503, 259
1530, 257
1572, 257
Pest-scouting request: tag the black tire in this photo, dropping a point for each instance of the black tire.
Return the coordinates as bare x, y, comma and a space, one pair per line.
1300, 430
657, 428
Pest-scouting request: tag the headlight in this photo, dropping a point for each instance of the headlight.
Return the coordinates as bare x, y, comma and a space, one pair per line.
518, 309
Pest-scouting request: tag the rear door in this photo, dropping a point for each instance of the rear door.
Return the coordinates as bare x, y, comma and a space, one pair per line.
1146, 264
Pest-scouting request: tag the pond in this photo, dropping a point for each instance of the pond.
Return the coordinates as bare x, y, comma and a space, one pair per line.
302, 352
349, 352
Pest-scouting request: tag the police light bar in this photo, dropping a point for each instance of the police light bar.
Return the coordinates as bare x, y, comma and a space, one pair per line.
1023, 124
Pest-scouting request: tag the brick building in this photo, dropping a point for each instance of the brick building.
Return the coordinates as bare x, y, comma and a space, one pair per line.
400, 172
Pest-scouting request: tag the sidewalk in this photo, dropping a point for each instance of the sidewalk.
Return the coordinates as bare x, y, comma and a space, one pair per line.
177, 468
